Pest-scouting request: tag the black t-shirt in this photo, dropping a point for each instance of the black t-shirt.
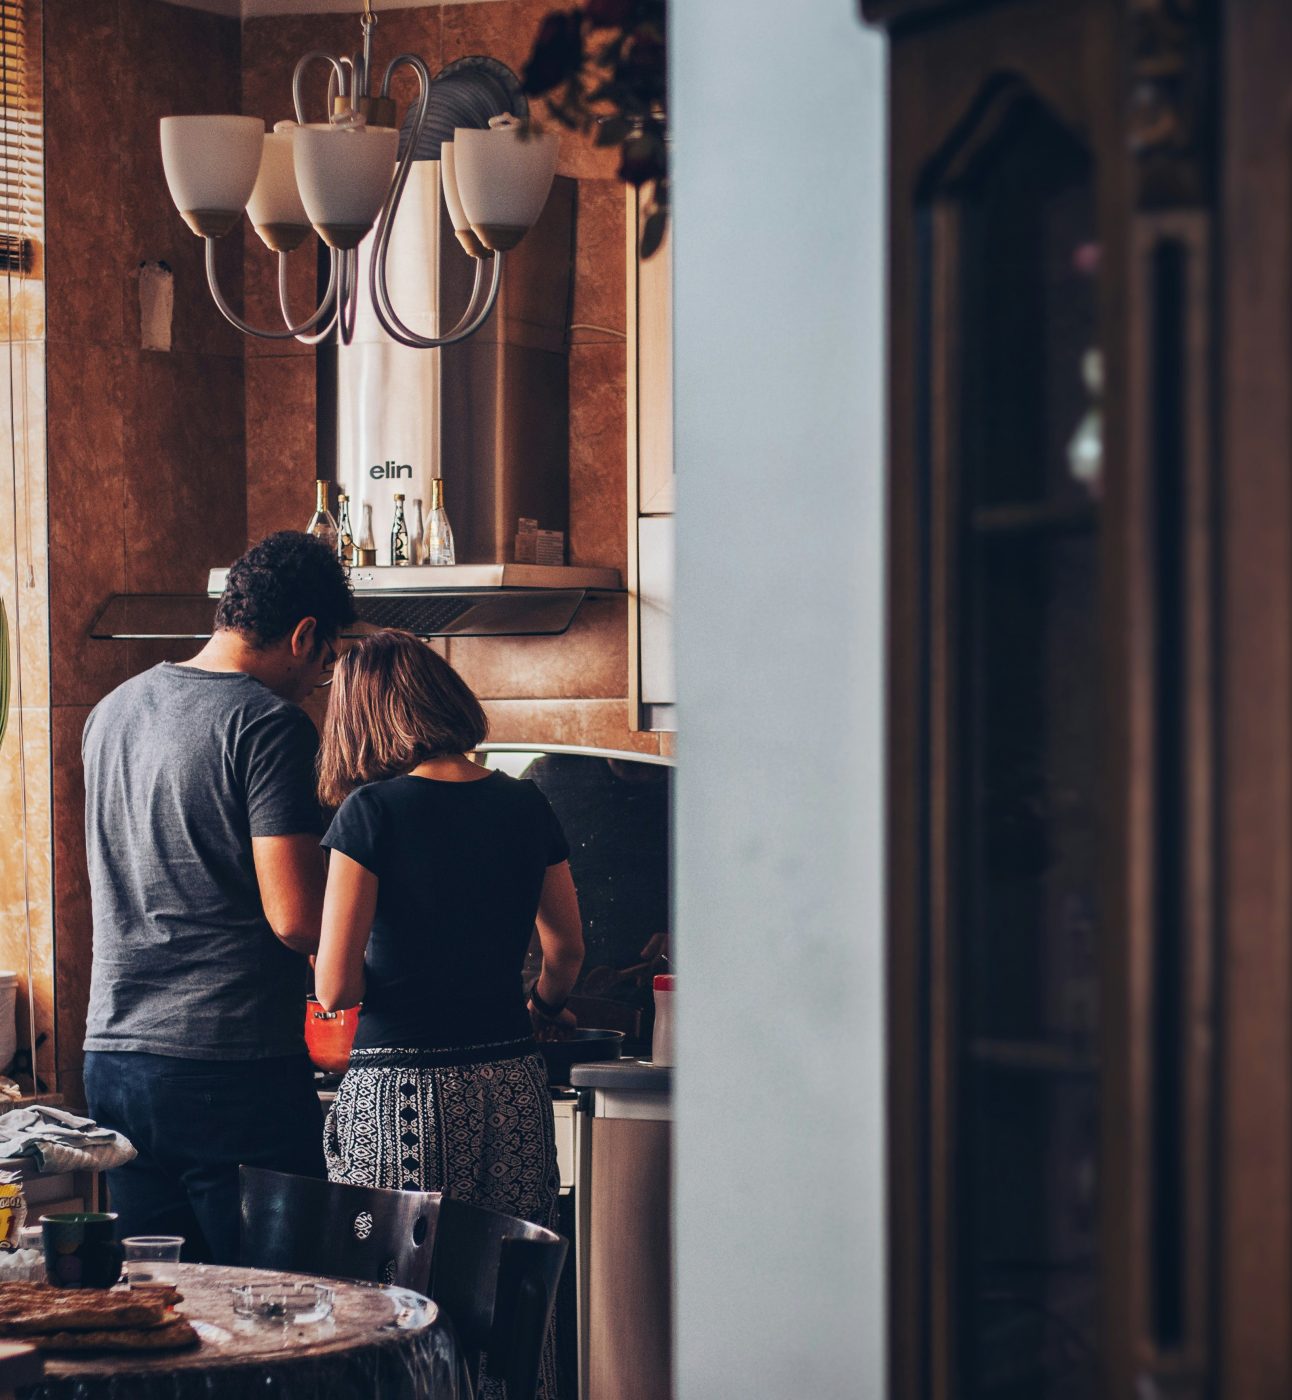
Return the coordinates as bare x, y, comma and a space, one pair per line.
460, 870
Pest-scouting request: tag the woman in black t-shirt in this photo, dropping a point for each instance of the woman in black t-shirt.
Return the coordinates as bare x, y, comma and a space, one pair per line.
439, 871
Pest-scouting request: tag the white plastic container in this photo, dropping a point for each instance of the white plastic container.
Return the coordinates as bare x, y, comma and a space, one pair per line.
8, 1019
661, 1045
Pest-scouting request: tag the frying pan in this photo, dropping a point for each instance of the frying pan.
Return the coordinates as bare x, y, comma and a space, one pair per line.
586, 1044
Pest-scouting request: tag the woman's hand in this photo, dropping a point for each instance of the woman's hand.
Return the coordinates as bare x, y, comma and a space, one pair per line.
547, 1028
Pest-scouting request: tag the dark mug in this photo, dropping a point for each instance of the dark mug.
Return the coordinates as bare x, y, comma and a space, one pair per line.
81, 1250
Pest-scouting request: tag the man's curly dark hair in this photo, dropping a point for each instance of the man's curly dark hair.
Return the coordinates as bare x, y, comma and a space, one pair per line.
286, 577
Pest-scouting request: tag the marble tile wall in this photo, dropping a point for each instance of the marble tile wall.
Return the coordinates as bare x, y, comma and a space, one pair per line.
146, 448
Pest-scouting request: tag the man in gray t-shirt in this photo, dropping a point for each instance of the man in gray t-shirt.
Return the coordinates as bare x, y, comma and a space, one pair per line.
206, 878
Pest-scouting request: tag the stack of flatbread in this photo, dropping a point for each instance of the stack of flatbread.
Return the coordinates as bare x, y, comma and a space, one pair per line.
86, 1319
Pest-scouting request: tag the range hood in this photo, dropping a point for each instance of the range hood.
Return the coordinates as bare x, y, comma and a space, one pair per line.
465, 600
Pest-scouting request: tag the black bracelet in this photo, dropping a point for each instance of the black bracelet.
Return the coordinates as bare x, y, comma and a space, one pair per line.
544, 1008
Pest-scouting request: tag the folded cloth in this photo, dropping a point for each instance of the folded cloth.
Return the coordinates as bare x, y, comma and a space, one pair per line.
59, 1141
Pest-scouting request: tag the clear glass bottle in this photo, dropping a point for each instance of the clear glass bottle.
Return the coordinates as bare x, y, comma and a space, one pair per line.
366, 549
346, 550
322, 523
399, 552
416, 550
437, 542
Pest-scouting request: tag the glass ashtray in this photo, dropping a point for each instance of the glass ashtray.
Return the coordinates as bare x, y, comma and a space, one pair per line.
288, 1303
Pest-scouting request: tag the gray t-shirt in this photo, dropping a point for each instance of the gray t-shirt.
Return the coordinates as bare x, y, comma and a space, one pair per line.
182, 768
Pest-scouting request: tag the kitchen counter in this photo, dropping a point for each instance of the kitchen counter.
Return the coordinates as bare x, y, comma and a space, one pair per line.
623, 1250
623, 1076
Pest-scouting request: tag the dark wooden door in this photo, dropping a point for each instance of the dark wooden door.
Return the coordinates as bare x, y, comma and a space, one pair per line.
1053, 700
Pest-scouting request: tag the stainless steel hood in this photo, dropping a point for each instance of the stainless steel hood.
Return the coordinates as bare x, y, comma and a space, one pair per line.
466, 600
469, 600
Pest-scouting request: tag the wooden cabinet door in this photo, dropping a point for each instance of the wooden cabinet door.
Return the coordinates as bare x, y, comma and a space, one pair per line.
1052, 781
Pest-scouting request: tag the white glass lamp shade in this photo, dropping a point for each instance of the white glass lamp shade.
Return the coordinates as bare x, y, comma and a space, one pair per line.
461, 224
211, 165
344, 174
503, 177
275, 207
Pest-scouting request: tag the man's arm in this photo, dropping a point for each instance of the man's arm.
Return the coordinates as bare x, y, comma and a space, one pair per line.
291, 875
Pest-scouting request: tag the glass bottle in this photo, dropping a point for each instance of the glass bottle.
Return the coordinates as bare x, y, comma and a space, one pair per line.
346, 549
399, 554
322, 523
438, 539
416, 551
367, 546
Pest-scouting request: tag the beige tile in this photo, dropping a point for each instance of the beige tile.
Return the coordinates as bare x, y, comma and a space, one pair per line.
600, 261
200, 76
598, 456
184, 469
87, 522
589, 662
280, 444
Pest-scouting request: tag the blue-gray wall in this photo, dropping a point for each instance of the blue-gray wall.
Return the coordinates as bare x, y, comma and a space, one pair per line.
778, 116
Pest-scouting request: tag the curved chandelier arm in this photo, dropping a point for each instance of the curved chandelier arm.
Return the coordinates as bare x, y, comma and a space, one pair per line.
328, 304
472, 319
470, 323
234, 319
298, 80
347, 304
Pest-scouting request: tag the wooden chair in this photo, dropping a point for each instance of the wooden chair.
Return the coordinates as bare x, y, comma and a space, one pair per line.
304, 1225
496, 1276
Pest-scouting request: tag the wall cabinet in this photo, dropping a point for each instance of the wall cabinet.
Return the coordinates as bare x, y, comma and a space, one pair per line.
651, 478
1090, 786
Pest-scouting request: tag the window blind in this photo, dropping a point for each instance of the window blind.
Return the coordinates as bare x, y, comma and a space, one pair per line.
20, 139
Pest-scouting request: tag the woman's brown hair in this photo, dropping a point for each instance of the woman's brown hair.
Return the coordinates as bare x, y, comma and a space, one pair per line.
394, 704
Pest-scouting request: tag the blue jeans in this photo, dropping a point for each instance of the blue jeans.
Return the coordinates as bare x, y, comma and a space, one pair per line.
193, 1123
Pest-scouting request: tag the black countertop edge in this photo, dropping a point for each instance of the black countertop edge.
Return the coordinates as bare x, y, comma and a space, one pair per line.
623, 1076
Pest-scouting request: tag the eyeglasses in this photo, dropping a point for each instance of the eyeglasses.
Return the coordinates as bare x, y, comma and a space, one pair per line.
329, 662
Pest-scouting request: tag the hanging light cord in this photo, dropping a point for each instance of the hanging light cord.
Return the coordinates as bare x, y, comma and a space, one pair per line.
6, 101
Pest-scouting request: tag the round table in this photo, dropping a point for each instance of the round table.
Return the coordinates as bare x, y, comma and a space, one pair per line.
381, 1341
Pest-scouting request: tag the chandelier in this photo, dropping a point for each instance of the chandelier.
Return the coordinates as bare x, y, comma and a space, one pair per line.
342, 176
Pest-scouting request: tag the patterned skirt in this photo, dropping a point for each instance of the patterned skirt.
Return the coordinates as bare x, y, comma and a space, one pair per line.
483, 1133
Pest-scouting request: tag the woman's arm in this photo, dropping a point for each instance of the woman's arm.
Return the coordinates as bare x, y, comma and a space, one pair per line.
560, 935
348, 911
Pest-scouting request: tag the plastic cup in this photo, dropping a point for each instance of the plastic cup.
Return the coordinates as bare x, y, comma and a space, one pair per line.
152, 1260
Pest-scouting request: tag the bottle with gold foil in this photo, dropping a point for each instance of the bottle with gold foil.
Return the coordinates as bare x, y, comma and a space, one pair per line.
322, 523
366, 549
437, 542
346, 549
400, 553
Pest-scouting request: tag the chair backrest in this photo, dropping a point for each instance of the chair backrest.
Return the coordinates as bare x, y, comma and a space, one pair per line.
305, 1225
496, 1277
